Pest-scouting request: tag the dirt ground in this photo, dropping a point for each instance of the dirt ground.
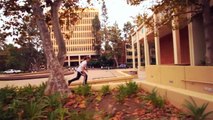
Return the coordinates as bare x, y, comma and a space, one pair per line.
134, 107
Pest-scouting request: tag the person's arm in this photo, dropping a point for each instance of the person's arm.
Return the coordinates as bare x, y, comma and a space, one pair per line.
84, 66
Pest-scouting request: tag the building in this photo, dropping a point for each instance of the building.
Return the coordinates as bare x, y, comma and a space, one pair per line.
174, 61
80, 43
129, 60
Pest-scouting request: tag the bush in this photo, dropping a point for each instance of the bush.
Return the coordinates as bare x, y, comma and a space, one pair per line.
7, 94
124, 91
83, 90
157, 100
82, 115
132, 88
105, 89
33, 110
52, 101
197, 112
58, 114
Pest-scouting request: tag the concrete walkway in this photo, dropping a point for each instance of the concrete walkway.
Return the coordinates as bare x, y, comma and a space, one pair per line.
92, 75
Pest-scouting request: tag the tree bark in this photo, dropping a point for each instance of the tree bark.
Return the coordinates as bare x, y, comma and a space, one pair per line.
116, 61
57, 31
208, 28
56, 81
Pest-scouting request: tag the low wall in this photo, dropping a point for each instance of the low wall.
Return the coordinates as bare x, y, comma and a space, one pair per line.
28, 76
194, 78
126, 77
179, 83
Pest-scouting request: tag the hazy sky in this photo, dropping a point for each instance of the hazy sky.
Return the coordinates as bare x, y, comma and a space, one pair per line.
119, 11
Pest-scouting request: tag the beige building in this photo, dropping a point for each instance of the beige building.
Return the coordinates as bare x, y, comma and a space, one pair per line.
178, 54
80, 42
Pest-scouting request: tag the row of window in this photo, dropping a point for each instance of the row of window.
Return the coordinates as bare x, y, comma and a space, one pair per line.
79, 48
88, 14
129, 53
83, 28
78, 28
85, 21
76, 41
76, 48
79, 41
82, 34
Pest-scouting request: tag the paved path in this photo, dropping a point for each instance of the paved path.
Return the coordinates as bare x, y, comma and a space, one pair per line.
92, 74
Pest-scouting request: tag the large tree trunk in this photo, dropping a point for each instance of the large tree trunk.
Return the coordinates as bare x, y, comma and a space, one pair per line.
116, 61
208, 28
56, 82
57, 32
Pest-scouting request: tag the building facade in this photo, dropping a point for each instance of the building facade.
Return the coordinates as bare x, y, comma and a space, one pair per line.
80, 41
174, 60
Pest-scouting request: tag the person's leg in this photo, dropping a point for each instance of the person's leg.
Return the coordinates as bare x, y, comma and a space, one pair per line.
76, 78
85, 79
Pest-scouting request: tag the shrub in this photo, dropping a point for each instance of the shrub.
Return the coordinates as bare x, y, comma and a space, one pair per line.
132, 88
105, 89
52, 101
58, 114
82, 115
7, 94
39, 91
27, 92
83, 90
16, 108
157, 100
121, 93
197, 112
124, 91
33, 110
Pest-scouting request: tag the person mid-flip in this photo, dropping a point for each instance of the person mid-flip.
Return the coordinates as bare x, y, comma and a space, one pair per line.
81, 71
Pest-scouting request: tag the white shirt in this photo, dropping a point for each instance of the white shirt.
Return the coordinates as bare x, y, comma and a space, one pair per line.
82, 66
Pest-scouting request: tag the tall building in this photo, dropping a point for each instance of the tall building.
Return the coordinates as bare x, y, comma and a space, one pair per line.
80, 42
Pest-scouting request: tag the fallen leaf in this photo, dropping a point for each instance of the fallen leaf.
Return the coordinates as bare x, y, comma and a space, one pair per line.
98, 98
70, 103
82, 105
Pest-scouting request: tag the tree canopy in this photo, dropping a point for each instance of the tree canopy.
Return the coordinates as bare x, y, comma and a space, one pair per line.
40, 15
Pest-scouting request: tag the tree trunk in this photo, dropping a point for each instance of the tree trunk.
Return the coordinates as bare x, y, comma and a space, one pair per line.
56, 81
116, 61
57, 32
208, 28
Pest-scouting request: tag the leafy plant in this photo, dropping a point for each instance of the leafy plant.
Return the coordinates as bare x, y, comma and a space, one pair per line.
124, 91
7, 94
157, 100
105, 89
27, 92
39, 91
6, 114
52, 115
83, 90
121, 93
82, 115
16, 108
33, 110
58, 114
197, 112
132, 87
53, 101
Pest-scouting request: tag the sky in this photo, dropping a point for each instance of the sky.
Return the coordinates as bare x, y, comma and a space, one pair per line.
120, 12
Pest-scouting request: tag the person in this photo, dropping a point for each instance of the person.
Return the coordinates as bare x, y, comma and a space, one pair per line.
81, 71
